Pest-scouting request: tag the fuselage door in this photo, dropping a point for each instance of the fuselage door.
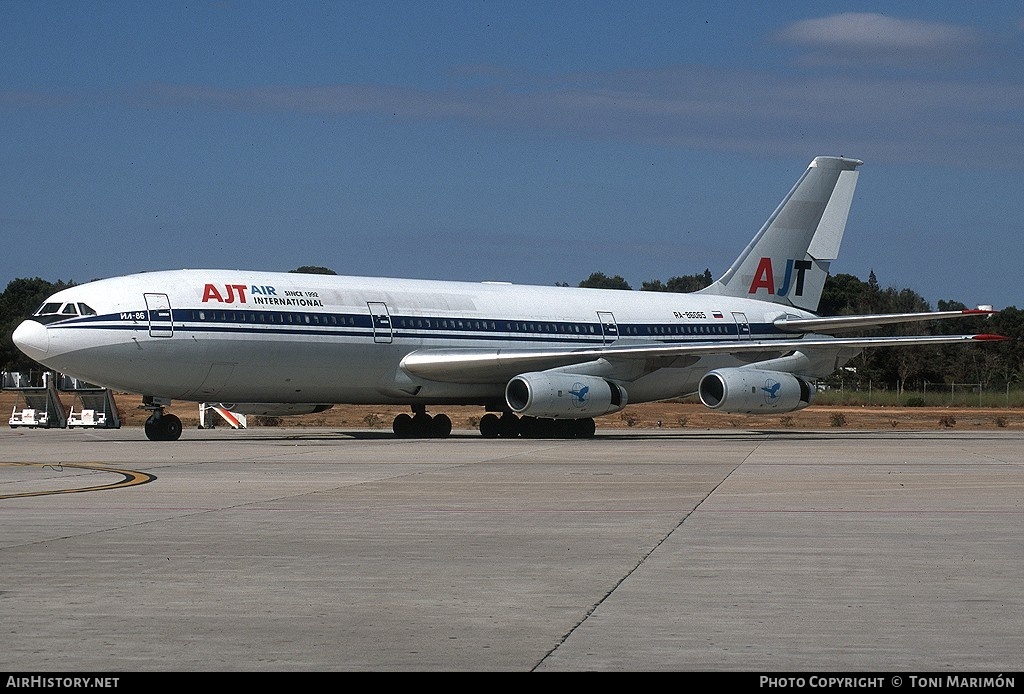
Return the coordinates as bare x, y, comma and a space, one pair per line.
381, 319
609, 329
742, 326
160, 324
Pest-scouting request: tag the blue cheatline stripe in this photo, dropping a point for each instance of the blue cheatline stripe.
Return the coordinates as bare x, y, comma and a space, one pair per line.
261, 322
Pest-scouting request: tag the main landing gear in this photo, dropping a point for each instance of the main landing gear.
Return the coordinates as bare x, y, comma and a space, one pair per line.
421, 425
160, 426
509, 425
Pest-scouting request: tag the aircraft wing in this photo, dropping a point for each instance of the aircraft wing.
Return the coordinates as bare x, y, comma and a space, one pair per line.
829, 323
470, 365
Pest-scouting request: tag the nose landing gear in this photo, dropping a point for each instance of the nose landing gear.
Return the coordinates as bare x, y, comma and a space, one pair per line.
160, 426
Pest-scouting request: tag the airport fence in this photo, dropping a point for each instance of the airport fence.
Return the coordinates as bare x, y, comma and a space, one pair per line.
859, 393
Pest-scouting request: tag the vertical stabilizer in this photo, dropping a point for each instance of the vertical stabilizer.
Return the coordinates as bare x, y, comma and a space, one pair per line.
788, 260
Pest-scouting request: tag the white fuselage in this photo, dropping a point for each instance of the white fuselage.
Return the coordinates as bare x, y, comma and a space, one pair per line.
236, 336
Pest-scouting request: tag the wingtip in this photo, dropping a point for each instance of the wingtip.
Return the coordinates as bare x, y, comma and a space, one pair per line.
989, 337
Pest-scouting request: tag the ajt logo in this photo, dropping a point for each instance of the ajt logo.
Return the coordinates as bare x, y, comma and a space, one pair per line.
764, 277
211, 293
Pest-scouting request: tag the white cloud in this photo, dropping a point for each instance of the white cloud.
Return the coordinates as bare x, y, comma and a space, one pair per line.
872, 31
880, 116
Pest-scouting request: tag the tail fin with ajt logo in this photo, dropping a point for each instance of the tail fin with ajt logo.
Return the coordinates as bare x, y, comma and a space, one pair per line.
787, 261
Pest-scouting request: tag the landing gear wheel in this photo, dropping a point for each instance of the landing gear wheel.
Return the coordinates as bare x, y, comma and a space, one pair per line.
163, 427
171, 427
563, 429
153, 428
440, 426
490, 426
508, 426
421, 425
531, 427
584, 428
402, 426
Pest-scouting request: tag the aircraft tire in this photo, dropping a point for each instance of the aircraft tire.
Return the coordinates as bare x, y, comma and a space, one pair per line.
532, 427
440, 426
402, 426
171, 427
421, 422
490, 426
163, 428
563, 428
152, 429
583, 428
508, 426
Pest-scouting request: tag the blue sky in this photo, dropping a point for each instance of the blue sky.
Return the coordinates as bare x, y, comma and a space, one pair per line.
534, 142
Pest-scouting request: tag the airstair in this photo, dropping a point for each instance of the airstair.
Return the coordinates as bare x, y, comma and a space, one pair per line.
37, 404
91, 406
209, 412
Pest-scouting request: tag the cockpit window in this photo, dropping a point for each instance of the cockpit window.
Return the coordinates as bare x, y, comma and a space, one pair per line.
52, 312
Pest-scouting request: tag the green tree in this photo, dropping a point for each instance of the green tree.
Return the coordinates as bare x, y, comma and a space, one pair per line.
681, 284
1010, 323
690, 283
841, 295
18, 301
314, 270
599, 280
846, 294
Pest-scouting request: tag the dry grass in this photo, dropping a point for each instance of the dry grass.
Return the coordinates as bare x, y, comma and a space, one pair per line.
668, 415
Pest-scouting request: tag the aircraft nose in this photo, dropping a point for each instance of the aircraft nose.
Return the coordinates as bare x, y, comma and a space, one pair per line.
32, 339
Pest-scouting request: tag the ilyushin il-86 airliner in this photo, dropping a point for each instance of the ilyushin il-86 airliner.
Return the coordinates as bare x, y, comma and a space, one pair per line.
542, 361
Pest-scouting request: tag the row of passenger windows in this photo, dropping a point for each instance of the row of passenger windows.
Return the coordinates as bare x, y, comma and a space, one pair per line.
504, 326
676, 330
284, 318
561, 328
278, 318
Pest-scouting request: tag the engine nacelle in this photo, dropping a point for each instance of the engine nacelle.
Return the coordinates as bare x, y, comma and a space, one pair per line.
275, 409
563, 396
752, 391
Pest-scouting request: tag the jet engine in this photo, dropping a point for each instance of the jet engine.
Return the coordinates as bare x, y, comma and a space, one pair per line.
753, 391
563, 395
